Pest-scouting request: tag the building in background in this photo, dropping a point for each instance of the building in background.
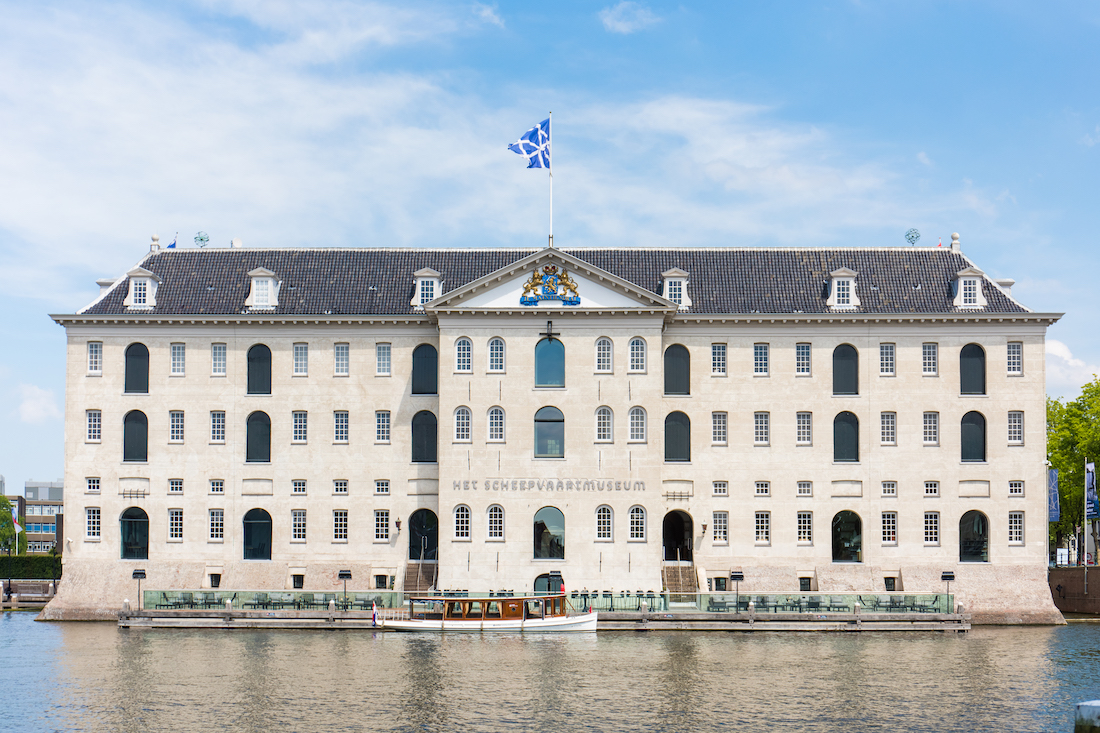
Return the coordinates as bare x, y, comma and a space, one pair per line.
42, 515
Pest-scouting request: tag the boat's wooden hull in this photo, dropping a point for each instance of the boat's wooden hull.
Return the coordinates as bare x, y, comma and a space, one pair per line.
579, 622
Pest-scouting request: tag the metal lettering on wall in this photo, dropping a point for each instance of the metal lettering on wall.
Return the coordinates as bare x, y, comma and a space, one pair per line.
550, 283
528, 484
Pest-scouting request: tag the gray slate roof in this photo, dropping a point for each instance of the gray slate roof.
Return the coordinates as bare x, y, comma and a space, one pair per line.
722, 281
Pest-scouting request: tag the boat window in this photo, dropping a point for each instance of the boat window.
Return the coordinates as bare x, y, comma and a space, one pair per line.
492, 610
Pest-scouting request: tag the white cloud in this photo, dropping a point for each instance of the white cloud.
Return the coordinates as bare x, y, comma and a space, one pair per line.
627, 17
37, 405
488, 14
924, 159
1088, 140
1066, 374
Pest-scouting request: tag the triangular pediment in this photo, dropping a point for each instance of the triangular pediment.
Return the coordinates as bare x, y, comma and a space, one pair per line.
536, 282
969, 272
142, 272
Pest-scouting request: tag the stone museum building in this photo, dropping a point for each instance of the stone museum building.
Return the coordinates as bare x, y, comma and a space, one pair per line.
846, 420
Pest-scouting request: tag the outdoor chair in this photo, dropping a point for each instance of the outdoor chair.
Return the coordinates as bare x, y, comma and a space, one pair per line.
164, 602
260, 600
305, 600
186, 600
836, 603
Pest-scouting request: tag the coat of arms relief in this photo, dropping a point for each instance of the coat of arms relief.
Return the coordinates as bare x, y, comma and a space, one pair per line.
550, 283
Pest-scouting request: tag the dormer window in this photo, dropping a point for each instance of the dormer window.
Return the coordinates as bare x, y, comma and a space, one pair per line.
141, 293
429, 286
261, 292
143, 289
967, 289
842, 289
675, 288
264, 294
427, 291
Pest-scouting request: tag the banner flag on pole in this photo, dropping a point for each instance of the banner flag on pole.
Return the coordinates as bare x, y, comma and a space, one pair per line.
535, 145
1055, 507
15, 521
1092, 509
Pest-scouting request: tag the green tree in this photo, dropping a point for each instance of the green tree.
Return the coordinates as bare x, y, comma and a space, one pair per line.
7, 530
1073, 436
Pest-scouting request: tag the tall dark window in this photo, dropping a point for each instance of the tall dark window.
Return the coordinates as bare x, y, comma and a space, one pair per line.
425, 370
974, 537
677, 370
549, 433
259, 370
549, 534
972, 369
845, 370
847, 537
137, 369
258, 440
677, 437
845, 437
425, 430
135, 436
257, 535
549, 363
973, 436
134, 525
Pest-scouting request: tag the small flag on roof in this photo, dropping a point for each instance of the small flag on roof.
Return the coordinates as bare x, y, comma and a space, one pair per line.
535, 145
173, 244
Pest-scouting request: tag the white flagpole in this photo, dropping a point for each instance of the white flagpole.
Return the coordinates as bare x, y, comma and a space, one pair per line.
550, 167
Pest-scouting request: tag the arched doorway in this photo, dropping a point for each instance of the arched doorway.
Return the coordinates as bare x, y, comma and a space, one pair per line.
257, 535
847, 537
549, 583
678, 532
974, 537
134, 526
423, 535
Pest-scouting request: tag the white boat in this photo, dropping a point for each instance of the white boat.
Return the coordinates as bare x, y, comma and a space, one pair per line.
519, 613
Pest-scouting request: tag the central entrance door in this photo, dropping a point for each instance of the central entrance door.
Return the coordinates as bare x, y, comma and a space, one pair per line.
423, 535
678, 531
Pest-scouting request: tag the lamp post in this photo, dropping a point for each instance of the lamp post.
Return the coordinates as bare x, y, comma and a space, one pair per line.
139, 575
947, 577
345, 575
736, 576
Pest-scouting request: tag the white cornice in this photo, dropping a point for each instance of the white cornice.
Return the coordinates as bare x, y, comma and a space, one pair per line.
65, 319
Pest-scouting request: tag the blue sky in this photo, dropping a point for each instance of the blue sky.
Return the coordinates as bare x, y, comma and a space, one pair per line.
317, 122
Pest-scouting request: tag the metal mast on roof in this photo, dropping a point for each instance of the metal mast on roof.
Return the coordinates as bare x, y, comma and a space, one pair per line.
550, 167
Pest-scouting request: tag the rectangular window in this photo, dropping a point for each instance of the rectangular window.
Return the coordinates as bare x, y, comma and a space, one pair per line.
804, 428
261, 292
761, 428
301, 426
427, 291
463, 356
1015, 428
298, 525
720, 488
175, 524
496, 425
382, 486
340, 486
931, 488
763, 488
381, 525
802, 359
718, 428
340, 421
718, 359
931, 428
1015, 488
930, 359
496, 355
1015, 357
91, 485
175, 420
496, 523
141, 292
805, 488
970, 291
95, 357
341, 360
889, 528
676, 291
886, 360
217, 426
805, 528
637, 524
301, 360
217, 486
217, 360
637, 355
217, 524
340, 525
889, 422
843, 291
382, 359
603, 355
382, 426
763, 528
95, 426
175, 486
889, 488
603, 524
179, 359
931, 528
760, 359
298, 486
1015, 528
721, 521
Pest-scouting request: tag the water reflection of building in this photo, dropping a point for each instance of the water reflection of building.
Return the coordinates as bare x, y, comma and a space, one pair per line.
845, 419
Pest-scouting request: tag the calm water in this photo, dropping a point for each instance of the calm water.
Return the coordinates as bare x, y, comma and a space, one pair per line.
97, 677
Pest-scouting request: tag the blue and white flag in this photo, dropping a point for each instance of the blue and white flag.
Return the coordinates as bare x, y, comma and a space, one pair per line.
1054, 507
535, 145
15, 521
1092, 510
173, 244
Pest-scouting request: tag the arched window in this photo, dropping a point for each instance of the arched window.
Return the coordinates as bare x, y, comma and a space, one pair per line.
604, 425
637, 523
637, 355
549, 528
496, 424
549, 433
845, 437
496, 354
549, 363
496, 522
134, 526
424, 436
677, 437
546, 583
972, 369
257, 535
135, 436
847, 537
258, 439
259, 370
603, 523
973, 437
463, 355
137, 369
604, 362
637, 424
425, 370
974, 537
677, 370
462, 522
462, 425
845, 370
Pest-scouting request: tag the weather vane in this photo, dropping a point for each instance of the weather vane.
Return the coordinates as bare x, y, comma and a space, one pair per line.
912, 236
201, 239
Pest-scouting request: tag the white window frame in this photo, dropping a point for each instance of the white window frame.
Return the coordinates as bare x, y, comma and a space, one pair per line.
496, 522
804, 428
464, 356
462, 523
605, 355
760, 360
216, 526
341, 426
720, 488
300, 426
94, 426
720, 534
637, 518
1015, 427
890, 528
178, 360
718, 360
497, 354
605, 424
95, 357
890, 488
217, 426
463, 419
92, 485
931, 428
719, 428
804, 523
931, 529
763, 525
1014, 365
299, 487
176, 426
639, 422
888, 424
298, 526
382, 487
887, 360
1015, 528
175, 486
175, 525
930, 359
931, 488
762, 488
637, 349
301, 360
761, 434
803, 355
382, 525
804, 488
219, 358
340, 486
93, 523
339, 525
341, 359
383, 359
605, 523
1015, 488
217, 486
496, 426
